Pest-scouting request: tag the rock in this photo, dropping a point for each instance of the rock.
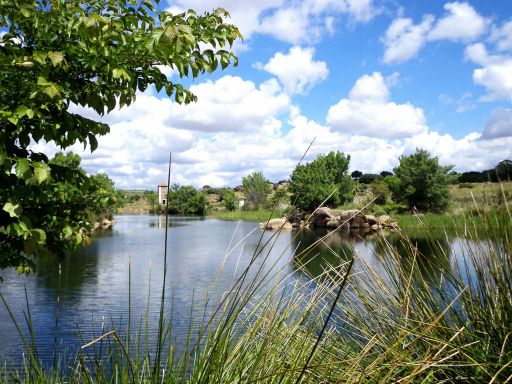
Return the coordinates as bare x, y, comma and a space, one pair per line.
276, 224
383, 219
105, 223
348, 215
295, 221
358, 220
332, 223
372, 220
321, 216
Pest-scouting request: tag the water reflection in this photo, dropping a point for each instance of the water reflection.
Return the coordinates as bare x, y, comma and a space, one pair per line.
92, 287
318, 250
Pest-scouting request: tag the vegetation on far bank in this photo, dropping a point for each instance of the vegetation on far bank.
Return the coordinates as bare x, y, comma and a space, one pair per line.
420, 192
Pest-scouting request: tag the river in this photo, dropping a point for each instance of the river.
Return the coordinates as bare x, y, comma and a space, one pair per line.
73, 300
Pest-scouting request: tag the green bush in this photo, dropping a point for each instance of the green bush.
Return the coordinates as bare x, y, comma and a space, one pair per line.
422, 182
325, 180
229, 200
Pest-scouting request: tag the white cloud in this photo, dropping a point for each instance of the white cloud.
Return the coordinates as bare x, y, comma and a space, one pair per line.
495, 74
295, 22
230, 104
404, 39
291, 25
297, 70
462, 23
499, 124
368, 112
502, 37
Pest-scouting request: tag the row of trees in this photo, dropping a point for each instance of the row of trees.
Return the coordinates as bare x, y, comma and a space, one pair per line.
418, 182
501, 172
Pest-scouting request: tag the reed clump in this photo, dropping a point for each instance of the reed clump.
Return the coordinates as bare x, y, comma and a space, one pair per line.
397, 322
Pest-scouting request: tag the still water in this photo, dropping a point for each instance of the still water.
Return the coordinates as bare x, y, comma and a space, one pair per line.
72, 301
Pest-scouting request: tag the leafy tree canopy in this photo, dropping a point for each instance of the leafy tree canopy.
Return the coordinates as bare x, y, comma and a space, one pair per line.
186, 200
356, 174
97, 54
422, 182
256, 189
324, 179
504, 170
369, 178
229, 199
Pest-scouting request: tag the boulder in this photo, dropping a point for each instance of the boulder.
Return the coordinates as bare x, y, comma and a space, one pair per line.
358, 220
321, 217
333, 223
383, 219
372, 220
276, 224
295, 221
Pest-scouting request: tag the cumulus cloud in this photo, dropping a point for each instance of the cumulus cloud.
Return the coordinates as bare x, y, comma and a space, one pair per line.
502, 37
241, 126
368, 112
297, 70
230, 104
303, 21
495, 74
462, 23
404, 39
499, 124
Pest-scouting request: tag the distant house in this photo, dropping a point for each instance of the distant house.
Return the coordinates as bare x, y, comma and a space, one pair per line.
162, 194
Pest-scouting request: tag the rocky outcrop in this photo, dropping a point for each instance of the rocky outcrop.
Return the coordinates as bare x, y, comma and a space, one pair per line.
351, 219
332, 219
277, 224
103, 224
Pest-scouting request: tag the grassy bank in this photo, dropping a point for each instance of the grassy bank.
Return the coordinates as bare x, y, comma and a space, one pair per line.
355, 323
259, 215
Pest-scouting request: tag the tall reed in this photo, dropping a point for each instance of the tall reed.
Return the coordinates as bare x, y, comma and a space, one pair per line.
353, 323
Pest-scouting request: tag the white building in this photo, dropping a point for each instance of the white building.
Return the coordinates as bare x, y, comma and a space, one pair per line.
162, 194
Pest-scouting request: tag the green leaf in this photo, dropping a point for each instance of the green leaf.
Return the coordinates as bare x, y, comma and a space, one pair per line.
118, 73
68, 231
38, 235
41, 172
12, 210
22, 166
93, 142
42, 81
23, 110
56, 57
26, 11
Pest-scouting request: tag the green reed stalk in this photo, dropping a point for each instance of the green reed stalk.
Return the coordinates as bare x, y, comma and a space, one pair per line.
160, 339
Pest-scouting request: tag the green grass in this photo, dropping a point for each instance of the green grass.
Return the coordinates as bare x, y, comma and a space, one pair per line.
356, 323
259, 215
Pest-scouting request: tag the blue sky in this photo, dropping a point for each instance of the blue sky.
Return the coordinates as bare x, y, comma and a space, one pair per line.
374, 79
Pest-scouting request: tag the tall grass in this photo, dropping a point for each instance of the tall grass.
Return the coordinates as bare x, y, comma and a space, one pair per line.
353, 323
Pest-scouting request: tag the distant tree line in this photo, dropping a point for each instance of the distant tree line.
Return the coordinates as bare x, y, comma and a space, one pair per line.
501, 172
